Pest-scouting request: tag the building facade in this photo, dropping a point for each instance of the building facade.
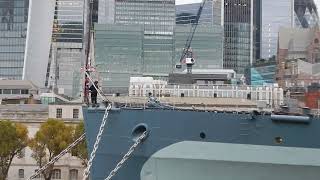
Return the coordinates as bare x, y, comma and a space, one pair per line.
13, 31
157, 18
23, 166
305, 13
238, 34
271, 96
120, 52
186, 13
261, 73
285, 13
298, 60
274, 13
67, 43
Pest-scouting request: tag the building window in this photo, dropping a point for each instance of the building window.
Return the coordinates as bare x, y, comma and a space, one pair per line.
21, 173
6, 91
75, 113
15, 91
24, 91
73, 174
56, 174
59, 113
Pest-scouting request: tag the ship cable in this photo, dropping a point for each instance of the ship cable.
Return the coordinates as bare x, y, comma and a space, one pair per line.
56, 158
96, 144
127, 155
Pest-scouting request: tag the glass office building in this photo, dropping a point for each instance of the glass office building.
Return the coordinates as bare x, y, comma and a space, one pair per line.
66, 56
306, 13
13, 29
186, 13
120, 52
238, 34
285, 13
157, 17
261, 73
207, 45
118, 55
273, 16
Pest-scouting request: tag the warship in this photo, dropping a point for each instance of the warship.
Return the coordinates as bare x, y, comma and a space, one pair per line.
190, 143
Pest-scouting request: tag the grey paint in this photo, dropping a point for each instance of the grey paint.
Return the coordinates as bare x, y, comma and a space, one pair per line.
189, 160
167, 127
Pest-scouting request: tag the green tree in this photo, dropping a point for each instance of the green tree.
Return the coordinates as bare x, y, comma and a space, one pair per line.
13, 138
52, 137
80, 150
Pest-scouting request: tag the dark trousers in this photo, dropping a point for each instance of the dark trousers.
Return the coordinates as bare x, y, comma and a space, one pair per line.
94, 99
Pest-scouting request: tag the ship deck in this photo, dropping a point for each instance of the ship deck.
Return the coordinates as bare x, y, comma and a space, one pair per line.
198, 103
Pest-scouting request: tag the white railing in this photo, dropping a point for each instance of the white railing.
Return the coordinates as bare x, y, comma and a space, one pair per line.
272, 96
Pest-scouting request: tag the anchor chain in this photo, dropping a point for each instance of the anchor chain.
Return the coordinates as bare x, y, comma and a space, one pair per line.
127, 155
96, 144
56, 158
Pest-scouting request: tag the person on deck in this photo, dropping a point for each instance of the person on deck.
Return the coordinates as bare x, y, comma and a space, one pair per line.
94, 93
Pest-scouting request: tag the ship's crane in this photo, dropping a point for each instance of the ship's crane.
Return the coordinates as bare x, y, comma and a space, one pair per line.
187, 54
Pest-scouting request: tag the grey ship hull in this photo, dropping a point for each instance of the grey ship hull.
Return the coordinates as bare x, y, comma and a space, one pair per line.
231, 146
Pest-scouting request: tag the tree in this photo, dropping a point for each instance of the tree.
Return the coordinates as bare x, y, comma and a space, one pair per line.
80, 150
52, 137
13, 138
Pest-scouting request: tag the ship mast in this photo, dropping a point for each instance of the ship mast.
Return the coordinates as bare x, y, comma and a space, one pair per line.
88, 50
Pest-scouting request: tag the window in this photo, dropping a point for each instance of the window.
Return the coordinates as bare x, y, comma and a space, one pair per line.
24, 91
56, 174
59, 113
15, 91
21, 173
75, 113
6, 91
73, 174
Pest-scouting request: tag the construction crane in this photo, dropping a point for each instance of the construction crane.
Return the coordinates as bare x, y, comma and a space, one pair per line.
187, 54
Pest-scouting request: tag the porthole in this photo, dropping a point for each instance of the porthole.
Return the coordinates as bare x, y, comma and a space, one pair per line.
202, 135
278, 140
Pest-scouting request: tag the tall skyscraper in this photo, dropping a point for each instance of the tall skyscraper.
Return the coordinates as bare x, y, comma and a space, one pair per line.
272, 18
13, 30
284, 13
239, 33
306, 13
66, 55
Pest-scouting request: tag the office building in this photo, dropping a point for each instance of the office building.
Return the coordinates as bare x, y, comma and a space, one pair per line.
13, 31
239, 34
298, 60
285, 13
120, 52
186, 13
66, 54
157, 18
305, 13
261, 72
272, 17
24, 29
207, 45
